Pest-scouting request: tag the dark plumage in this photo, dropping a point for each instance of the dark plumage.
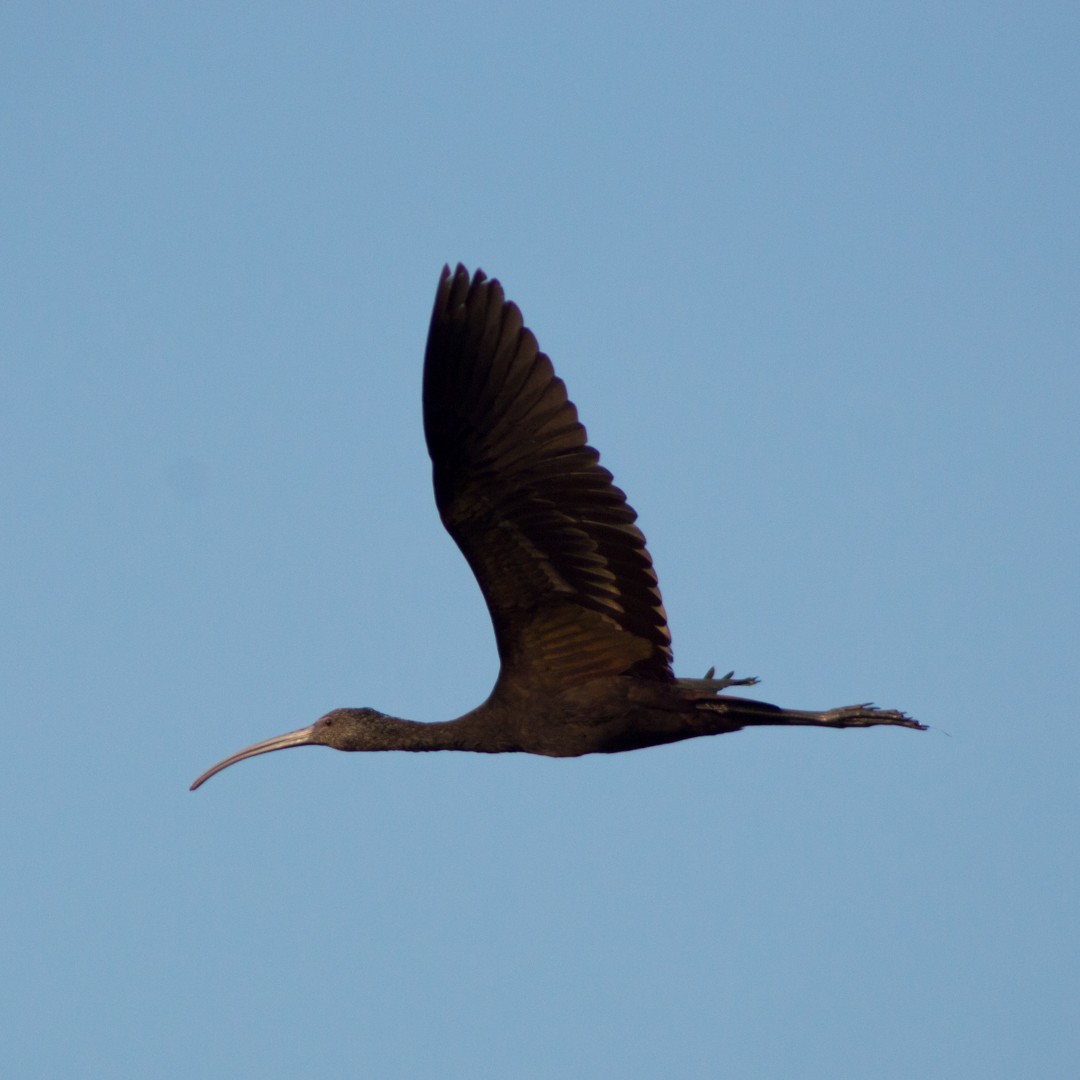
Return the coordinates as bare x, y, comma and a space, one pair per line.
582, 636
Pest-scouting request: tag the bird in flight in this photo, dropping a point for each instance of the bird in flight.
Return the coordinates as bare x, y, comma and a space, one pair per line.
584, 649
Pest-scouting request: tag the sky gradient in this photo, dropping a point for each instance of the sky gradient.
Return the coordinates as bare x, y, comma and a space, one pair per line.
810, 273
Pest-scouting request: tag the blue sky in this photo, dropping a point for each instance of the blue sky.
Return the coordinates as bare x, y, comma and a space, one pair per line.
810, 273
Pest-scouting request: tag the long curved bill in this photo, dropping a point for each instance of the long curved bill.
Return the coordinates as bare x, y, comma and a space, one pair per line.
303, 737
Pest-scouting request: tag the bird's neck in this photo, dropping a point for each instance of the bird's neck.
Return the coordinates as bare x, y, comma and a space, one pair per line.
468, 732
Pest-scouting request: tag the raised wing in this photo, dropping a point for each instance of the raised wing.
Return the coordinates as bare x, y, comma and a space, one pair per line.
552, 542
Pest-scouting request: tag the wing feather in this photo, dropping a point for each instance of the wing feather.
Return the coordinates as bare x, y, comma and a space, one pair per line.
552, 541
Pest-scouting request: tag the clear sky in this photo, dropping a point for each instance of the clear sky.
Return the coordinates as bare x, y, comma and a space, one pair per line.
810, 272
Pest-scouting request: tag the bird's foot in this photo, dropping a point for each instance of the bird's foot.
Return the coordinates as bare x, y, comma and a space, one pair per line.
727, 680
866, 715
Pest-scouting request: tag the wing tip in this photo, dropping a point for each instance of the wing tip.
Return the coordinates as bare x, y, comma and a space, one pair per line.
462, 271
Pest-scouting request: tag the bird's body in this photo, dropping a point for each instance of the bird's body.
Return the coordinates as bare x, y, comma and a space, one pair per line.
601, 716
582, 635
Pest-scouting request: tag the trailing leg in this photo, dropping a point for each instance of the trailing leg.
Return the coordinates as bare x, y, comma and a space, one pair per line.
746, 713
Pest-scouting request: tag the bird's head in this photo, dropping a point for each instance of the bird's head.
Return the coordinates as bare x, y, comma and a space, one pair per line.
342, 729
349, 729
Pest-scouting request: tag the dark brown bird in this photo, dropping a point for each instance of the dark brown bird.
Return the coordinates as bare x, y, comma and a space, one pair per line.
583, 640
